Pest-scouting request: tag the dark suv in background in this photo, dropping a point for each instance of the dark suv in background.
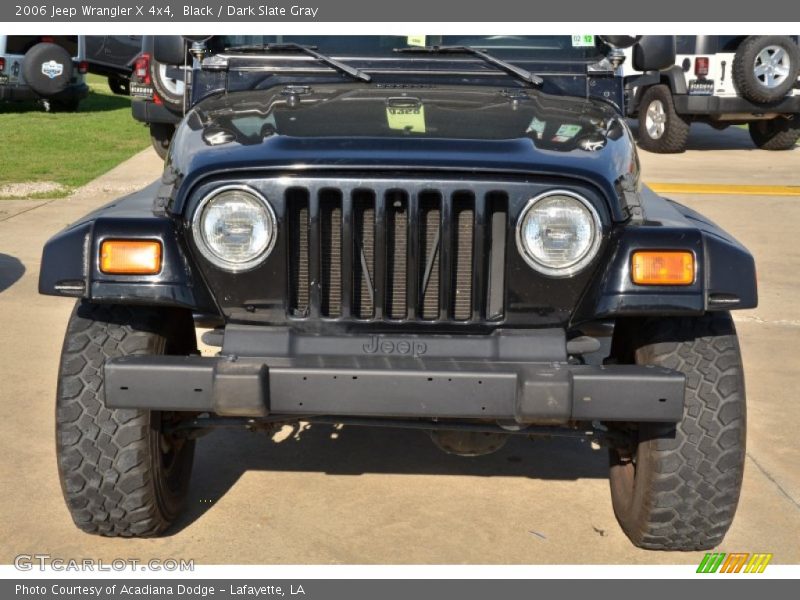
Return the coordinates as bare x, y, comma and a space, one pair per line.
157, 91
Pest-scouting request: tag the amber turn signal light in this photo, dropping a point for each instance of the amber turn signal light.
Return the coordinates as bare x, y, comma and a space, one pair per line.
130, 257
662, 268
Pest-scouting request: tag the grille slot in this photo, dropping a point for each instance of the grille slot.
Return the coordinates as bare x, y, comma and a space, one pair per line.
396, 253
330, 219
378, 252
464, 221
430, 240
364, 254
297, 218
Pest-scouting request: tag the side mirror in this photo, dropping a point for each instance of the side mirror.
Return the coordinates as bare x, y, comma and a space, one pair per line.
654, 52
620, 41
169, 49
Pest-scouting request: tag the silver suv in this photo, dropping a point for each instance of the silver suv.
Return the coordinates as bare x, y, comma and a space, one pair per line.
50, 69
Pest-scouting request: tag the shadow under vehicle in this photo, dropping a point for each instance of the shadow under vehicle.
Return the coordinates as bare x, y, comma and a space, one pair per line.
451, 237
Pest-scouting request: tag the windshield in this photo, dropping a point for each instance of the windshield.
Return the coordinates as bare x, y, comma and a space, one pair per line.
522, 47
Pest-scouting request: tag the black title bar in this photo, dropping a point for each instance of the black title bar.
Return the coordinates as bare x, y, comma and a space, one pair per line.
463, 11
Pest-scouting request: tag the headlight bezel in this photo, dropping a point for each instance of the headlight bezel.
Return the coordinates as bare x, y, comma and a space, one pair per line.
576, 266
203, 246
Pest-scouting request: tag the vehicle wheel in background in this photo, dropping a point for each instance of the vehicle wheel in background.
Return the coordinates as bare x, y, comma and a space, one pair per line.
160, 136
765, 67
47, 69
776, 134
122, 472
677, 486
119, 85
661, 129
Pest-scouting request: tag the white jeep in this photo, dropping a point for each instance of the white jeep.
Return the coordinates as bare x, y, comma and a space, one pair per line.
719, 80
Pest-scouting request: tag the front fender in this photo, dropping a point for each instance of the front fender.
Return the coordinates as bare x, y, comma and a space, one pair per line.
70, 259
725, 277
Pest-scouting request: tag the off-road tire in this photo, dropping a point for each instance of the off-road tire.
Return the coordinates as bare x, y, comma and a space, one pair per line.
160, 137
744, 77
116, 477
680, 488
676, 128
119, 85
775, 134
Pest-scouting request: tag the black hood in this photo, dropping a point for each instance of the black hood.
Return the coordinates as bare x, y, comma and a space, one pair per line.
405, 126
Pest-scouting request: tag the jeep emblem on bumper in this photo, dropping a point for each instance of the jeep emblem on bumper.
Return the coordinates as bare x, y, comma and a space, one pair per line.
379, 345
52, 69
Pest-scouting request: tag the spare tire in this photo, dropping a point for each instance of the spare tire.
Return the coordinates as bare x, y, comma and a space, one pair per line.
47, 69
168, 88
765, 67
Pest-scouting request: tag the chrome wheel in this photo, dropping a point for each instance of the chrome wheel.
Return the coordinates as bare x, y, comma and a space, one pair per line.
772, 66
655, 120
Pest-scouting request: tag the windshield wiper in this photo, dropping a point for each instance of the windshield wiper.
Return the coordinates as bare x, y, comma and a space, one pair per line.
514, 70
309, 50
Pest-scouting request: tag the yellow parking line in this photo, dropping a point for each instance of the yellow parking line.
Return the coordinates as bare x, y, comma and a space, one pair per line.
722, 188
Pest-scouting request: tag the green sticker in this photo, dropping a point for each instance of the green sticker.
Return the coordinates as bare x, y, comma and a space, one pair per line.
568, 131
537, 127
582, 41
410, 117
415, 40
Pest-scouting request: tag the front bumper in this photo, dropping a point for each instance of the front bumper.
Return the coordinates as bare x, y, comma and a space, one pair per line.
506, 378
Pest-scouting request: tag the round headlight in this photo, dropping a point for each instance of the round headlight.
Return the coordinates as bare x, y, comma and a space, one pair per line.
558, 233
235, 228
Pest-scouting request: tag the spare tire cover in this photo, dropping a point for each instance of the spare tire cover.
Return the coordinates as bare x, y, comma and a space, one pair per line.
47, 69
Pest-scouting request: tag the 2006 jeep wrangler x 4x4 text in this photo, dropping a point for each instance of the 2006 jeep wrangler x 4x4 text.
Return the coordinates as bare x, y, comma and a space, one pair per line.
450, 236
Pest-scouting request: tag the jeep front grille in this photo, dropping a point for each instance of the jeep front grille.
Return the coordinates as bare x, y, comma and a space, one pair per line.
385, 251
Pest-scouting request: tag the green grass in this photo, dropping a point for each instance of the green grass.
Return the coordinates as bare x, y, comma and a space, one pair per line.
68, 148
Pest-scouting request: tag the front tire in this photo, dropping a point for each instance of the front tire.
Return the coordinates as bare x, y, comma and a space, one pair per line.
661, 128
678, 485
121, 473
775, 134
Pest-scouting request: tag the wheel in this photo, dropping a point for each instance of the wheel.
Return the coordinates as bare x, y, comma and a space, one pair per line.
169, 89
677, 486
119, 85
160, 136
776, 134
121, 473
765, 67
47, 69
661, 129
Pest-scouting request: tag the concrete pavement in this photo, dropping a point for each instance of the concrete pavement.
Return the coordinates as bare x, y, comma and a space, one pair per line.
325, 495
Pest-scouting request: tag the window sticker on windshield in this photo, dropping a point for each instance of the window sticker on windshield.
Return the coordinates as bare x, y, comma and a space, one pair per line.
410, 117
415, 40
537, 127
582, 41
567, 131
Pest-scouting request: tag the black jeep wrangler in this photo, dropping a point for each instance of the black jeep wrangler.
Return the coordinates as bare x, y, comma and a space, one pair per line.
447, 234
